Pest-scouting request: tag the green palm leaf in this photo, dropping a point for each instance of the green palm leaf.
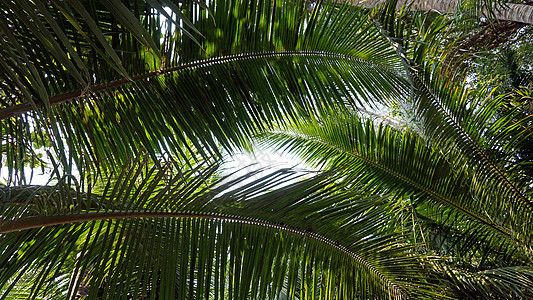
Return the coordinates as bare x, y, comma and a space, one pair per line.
261, 63
502, 283
473, 127
155, 233
392, 161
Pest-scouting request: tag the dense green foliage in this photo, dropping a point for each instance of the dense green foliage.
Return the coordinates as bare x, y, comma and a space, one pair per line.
130, 105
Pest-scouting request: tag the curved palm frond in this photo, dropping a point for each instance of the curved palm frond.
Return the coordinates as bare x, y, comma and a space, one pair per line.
260, 63
154, 233
460, 120
386, 158
472, 126
401, 162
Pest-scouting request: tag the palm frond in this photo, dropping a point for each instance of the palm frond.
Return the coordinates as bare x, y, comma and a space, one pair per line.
196, 95
389, 160
159, 234
474, 136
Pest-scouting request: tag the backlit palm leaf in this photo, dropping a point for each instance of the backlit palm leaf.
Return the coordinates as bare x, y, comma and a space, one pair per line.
257, 63
155, 233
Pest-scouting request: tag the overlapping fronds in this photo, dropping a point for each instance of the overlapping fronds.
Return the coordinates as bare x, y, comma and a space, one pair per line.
149, 232
466, 125
457, 173
90, 83
387, 159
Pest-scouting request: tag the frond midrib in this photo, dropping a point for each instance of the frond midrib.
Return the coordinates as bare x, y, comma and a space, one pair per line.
22, 108
412, 183
470, 141
51, 220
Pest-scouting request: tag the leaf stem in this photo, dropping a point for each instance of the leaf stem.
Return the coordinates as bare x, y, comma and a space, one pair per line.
15, 110
50, 220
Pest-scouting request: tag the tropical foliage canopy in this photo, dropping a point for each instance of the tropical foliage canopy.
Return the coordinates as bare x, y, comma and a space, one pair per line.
132, 104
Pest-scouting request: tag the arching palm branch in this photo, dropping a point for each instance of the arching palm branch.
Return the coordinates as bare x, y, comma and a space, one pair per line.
157, 89
166, 233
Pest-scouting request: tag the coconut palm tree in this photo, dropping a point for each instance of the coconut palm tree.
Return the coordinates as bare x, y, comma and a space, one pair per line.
133, 102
